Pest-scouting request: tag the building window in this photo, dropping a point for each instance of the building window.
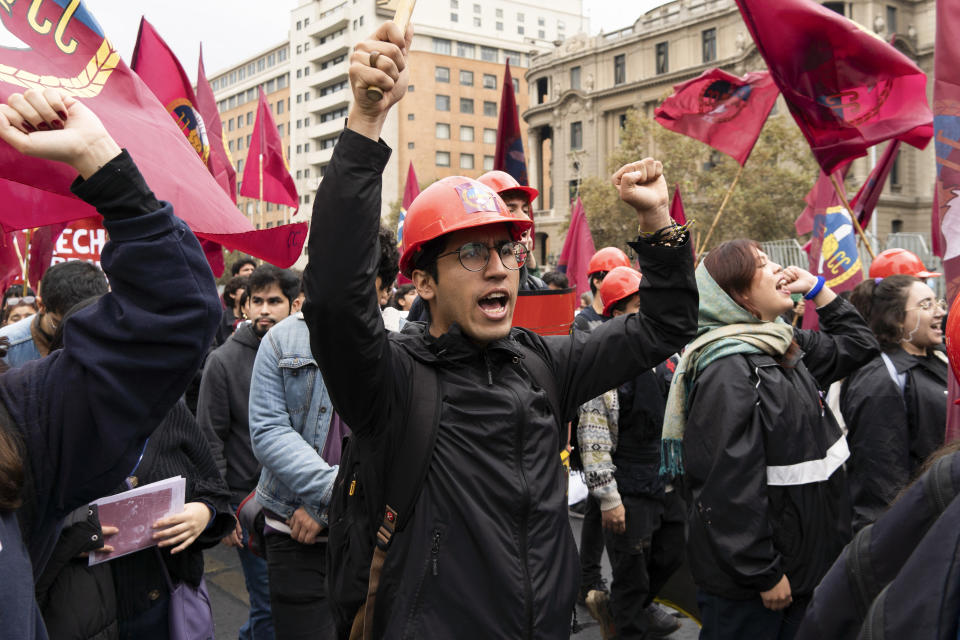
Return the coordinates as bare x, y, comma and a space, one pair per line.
891, 20
299, 124
542, 34
249, 118
454, 17
454, 4
663, 57
488, 163
230, 146
279, 107
895, 174
299, 49
574, 77
271, 86
410, 116
520, 29
499, 26
230, 124
488, 54
299, 148
466, 105
837, 7
709, 37
299, 174
410, 145
306, 122
306, 147
519, 17
443, 131
476, 8
299, 25
477, 22
239, 144
239, 122
442, 46
489, 81
282, 82
466, 78
441, 74
306, 71
281, 55
466, 161
576, 135
516, 85
489, 108
466, 134
442, 102
443, 158
499, 13
619, 69
490, 136
299, 74
466, 50
411, 88
280, 130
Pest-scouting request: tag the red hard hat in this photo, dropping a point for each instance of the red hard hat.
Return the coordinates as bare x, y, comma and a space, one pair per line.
501, 181
620, 283
607, 259
952, 336
449, 205
894, 262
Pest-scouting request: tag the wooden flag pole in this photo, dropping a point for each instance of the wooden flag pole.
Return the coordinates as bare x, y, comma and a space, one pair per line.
260, 199
853, 218
401, 18
716, 219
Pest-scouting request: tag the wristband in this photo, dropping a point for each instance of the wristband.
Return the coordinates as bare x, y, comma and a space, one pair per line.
810, 295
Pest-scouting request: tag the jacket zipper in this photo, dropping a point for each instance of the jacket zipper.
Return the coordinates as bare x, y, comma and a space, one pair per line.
524, 512
431, 568
435, 551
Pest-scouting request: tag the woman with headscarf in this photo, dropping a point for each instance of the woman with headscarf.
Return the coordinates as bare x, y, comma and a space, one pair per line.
763, 456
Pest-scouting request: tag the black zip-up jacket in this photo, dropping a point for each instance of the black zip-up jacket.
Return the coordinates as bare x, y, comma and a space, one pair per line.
891, 433
488, 550
764, 461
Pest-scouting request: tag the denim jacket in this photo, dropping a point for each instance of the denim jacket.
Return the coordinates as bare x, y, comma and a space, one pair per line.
290, 414
22, 349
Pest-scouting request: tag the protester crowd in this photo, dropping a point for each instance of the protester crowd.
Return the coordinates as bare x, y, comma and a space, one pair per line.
386, 458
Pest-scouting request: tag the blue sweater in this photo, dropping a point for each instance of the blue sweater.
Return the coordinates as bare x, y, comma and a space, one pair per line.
84, 412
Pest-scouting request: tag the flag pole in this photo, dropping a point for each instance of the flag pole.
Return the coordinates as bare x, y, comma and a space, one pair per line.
853, 218
716, 218
260, 199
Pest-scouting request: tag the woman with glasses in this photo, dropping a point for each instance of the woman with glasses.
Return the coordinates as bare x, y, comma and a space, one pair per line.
895, 406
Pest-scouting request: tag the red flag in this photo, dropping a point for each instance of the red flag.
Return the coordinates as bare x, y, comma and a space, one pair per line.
821, 196
266, 148
846, 88
577, 249
509, 153
676, 207
866, 199
74, 56
220, 164
160, 69
721, 110
410, 192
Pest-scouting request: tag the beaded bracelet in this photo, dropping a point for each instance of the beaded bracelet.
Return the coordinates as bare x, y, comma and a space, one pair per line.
668, 236
810, 295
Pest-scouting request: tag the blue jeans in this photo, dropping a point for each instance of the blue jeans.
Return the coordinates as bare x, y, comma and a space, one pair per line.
259, 626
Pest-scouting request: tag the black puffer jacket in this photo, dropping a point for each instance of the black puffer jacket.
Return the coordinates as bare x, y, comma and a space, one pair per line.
891, 432
488, 551
764, 461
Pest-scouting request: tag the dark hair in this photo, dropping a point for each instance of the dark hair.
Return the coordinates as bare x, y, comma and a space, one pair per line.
883, 305
557, 279
16, 291
67, 283
401, 291
621, 305
515, 193
733, 266
388, 267
596, 275
267, 275
426, 258
233, 285
241, 263
57, 341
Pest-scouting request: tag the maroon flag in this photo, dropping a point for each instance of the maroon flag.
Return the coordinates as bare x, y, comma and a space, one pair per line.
577, 249
410, 192
676, 207
721, 110
846, 88
509, 153
866, 199
821, 196
74, 56
219, 164
265, 160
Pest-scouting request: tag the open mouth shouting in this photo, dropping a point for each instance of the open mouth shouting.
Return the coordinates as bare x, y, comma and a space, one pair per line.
493, 304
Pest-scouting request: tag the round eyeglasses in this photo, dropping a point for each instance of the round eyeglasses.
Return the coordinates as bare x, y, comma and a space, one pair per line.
928, 305
475, 255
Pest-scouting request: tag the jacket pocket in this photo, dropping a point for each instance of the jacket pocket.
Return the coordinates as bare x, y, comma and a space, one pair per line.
298, 375
429, 573
787, 526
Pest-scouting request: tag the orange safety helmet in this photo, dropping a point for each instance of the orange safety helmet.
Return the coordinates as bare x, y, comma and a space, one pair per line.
449, 205
620, 283
894, 262
607, 259
501, 181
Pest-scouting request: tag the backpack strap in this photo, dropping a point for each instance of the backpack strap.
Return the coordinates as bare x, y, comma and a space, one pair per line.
404, 479
938, 485
899, 379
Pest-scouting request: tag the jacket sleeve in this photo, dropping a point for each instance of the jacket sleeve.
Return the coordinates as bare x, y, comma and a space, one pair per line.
725, 458
590, 363
213, 411
86, 410
347, 336
277, 445
843, 344
879, 465
599, 422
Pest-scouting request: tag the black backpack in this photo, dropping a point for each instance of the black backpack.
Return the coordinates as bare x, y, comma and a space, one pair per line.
375, 492
900, 576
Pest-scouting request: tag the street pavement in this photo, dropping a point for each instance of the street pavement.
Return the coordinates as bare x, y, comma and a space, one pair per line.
228, 595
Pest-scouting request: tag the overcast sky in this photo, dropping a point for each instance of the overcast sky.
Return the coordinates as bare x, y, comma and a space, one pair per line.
234, 30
